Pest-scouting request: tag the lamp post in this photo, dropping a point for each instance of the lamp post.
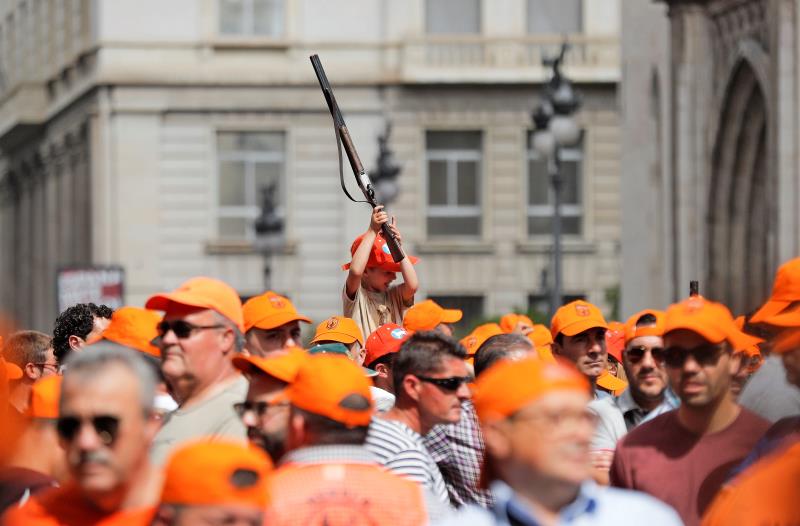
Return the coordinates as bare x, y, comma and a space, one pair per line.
269, 230
555, 128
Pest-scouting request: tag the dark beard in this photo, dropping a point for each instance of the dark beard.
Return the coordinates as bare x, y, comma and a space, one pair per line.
272, 445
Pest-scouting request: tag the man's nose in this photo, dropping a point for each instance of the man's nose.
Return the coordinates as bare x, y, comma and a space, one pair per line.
87, 438
249, 419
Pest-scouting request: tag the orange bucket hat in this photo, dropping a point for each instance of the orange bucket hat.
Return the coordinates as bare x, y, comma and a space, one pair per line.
384, 340
713, 321
785, 290
478, 336
134, 327
576, 317
202, 292
632, 331
219, 472
508, 386
427, 315
509, 322
268, 311
380, 256
282, 365
338, 329
324, 382
45, 394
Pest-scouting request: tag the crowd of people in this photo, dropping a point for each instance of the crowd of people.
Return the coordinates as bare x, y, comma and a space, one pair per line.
196, 409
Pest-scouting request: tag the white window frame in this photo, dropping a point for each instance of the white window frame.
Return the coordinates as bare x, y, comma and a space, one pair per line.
567, 209
247, 23
452, 208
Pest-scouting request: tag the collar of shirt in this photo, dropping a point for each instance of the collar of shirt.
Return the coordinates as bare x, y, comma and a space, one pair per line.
626, 403
510, 510
332, 453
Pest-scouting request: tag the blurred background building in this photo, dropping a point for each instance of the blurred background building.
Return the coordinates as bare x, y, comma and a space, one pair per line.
710, 188
143, 132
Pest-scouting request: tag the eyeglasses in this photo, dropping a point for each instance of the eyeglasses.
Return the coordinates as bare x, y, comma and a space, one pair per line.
259, 408
448, 384
182, 329
555, 420
704, 355
45, 365
636, 354
106, 427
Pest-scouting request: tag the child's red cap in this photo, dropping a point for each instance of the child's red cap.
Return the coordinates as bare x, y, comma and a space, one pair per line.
380, 256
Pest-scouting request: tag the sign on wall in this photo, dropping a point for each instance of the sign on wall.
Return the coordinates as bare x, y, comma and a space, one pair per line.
102, 285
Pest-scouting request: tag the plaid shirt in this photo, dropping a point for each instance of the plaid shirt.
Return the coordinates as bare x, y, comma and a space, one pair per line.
458, 451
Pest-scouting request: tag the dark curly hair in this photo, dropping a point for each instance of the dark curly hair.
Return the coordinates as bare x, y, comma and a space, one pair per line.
77, 320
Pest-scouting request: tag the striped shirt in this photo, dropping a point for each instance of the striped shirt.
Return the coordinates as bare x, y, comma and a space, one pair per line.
401, 450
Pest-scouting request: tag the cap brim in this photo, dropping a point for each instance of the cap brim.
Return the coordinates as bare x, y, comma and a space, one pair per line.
786, 342
392, 267
369, 373
275, 367
611, 382
13, 372
452, 315
700, 327
769, 310
785, 319
276, 320
161, 301
340, 337
583, 325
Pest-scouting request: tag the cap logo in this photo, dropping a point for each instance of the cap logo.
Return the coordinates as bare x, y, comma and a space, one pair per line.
331, 324
277, 302
398, 334
694, 304
582, 310
244, 478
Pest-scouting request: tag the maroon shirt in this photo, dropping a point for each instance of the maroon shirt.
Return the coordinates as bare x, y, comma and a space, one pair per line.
685, 470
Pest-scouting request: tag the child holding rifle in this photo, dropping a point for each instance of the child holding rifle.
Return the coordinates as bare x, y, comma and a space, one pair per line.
369, 297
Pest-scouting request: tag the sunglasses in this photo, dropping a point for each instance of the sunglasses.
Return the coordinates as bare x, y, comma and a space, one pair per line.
636, 354
448, 384
704, 355
182, 329
259, 408
106, 427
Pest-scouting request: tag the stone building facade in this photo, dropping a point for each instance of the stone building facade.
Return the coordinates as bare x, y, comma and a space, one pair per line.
140, 133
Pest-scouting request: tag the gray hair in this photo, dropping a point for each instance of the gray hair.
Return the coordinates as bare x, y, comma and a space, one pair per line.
239, 337
95, 358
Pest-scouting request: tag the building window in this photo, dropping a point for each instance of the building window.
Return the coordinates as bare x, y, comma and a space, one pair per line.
539, 303
554, 16
540, 198
252, 17
248, 163
471, 306
454, 183
444, 17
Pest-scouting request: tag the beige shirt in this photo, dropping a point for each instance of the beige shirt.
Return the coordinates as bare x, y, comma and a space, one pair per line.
213, 418
370, 310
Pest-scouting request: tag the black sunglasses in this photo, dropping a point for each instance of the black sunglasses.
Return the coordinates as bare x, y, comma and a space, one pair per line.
106, 427
636, 354
707, 354
259, 408
448, 384
182, 329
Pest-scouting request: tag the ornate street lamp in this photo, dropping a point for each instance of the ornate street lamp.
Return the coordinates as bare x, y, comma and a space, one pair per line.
555, 128
384, 176
270, 236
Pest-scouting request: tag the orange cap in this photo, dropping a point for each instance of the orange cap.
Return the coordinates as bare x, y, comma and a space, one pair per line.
753, 350
713, 321
427, 315
785, 290
508, 386
229, 473
45, 395
207, 293
632, 331
576, 317
282, 365
324, 382
480, 334
615, 340
509, 322
380, 256
134, 327
384, 340
268, 311
608, 381
787, 341
338, 329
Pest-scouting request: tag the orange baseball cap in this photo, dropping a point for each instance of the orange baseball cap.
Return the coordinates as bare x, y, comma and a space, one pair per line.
338, 329
787, 341
542, 342
509, 322
45, 395
508, 386
384, 340
207, 293
608, 381
282, 365
324, 382
268, 311
615, 340
219, 472
134, 327
576, 317
713, 321
632, 331
380, 256
753, 350
785, 290
480, 334
427, 315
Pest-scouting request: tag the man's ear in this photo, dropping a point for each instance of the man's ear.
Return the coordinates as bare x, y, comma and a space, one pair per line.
737, 362
32, 372
382, 370
75, 342
411, 385
296, 436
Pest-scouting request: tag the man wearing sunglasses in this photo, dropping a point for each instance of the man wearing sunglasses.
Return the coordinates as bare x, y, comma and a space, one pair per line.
684, 456
430, 383
201, 332
105, 426
32, 352
648, 395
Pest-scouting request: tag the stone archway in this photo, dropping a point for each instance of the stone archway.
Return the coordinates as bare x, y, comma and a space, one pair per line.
738, 211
